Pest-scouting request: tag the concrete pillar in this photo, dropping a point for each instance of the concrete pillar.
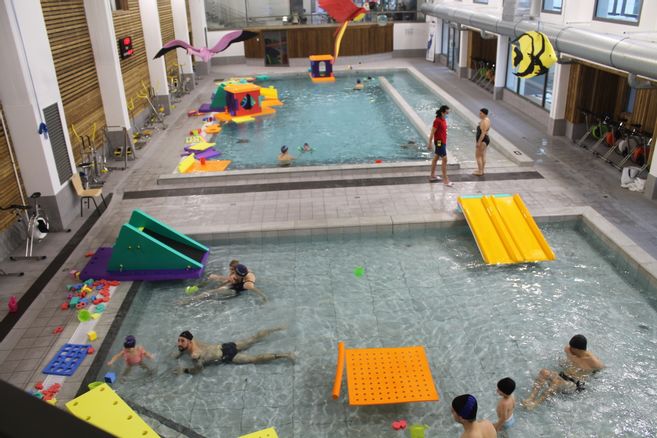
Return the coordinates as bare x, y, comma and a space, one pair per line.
199, 34
157, 70
464, 48
108, 67
557, 119
181, 32
29, 84
501, 65
651, 183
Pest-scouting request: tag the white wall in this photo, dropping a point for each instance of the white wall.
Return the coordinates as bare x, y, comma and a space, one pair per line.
407, 36
235, 49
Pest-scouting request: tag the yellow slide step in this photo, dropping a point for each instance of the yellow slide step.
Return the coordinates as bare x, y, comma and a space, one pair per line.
504, 230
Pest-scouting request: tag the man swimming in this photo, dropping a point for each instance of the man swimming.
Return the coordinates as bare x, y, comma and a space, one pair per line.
230, 352
239, 279
579, 364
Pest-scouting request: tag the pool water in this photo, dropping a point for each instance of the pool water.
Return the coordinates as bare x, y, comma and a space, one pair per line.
341, 125
478, 324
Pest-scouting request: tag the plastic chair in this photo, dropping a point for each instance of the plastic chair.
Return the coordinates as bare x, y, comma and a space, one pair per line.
86, 193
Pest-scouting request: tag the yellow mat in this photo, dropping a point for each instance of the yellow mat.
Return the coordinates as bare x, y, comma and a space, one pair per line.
265, 433
378, 376
243, 119
201, 146
186, 163
209, 166
103, 408
504, 230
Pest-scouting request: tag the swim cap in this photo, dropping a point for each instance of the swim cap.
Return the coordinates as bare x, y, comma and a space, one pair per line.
465, 406
283, 148
241, 270
187, 335
506, 385
129, 342
578, 341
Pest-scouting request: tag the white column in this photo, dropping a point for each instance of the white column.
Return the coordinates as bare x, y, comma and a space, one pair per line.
501, 57
108, 67
181, 32
29, 84
150, 23
199, 33
464, 45
557, 121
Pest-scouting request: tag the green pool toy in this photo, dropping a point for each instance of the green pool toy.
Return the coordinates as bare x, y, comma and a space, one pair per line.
84, 315
359, 271
191, 289
417, 430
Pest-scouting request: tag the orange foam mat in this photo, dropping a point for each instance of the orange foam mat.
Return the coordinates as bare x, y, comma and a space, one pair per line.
379, 376
209, 166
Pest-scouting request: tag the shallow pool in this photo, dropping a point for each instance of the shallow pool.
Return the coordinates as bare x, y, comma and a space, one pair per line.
430, 288
341, 125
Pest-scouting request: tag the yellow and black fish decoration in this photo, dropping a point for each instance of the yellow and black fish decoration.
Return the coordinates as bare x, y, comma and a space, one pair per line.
533, 55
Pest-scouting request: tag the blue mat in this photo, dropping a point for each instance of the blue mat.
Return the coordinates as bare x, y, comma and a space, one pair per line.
67, 360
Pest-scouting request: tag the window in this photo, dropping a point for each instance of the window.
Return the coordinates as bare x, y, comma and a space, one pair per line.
481, 2
444, 40
618, 10
119, 5
553, 6
537, 89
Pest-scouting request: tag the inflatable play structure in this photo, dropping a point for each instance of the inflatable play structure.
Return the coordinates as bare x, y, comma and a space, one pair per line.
404, 372
504, 229
240, 100
317, 73
147, 249
103, 408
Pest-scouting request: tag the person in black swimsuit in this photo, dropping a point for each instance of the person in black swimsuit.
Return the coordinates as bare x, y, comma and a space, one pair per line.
228, 352
240, 279
481, 141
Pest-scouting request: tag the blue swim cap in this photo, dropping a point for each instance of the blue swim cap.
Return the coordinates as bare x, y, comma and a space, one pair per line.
241, 270
465, 406
129, 342
283, 148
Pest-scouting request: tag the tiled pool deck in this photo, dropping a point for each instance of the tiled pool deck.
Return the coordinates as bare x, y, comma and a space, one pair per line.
568, 183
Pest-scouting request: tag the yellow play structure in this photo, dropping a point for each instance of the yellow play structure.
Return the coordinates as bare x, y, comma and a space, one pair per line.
504, 229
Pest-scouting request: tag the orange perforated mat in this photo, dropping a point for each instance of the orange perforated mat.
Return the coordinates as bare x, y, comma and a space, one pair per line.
378, 376
210, 166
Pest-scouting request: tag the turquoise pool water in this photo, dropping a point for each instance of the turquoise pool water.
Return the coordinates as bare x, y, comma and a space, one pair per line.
478, 324
342, 126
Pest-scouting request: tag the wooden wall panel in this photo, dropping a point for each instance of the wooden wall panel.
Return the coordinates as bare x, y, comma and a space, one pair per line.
66, 24
482, 49
358, 40
645, 109
134, 68
9, 193
168, 34
595, 90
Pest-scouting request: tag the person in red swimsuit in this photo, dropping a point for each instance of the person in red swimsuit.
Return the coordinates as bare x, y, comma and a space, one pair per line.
438, 137
133, 355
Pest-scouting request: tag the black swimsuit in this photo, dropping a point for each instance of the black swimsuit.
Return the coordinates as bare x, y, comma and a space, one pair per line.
486, 139
228, 352
578, 383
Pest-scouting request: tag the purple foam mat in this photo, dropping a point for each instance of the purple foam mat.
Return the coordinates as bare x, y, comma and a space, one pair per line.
208, 153
97, 269
205, 108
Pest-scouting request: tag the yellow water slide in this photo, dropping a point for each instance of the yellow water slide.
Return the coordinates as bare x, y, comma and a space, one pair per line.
504, 230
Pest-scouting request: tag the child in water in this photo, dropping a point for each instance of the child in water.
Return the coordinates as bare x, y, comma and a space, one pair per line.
359, 85
284, 158
306, 148
132, 354
507, 403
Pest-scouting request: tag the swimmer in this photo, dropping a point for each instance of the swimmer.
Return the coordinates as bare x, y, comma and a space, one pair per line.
464, 412
224, 278
482, 141
359, 85
132, 355
284, 158
306, 148
230, 352
577, 367
238, 281
507, 403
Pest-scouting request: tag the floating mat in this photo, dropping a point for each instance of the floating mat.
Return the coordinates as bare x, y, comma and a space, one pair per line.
193, 139
200, 146
186, 163
265, 433
378, 376
243, 119
504, 229
103, 408
207, 154
212, 129
67, 360
210, 166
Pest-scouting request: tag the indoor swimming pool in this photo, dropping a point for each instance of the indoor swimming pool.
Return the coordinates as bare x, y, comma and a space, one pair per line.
478, 323
341, 125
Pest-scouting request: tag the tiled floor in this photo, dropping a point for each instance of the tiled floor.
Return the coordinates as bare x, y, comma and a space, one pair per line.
568, 177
